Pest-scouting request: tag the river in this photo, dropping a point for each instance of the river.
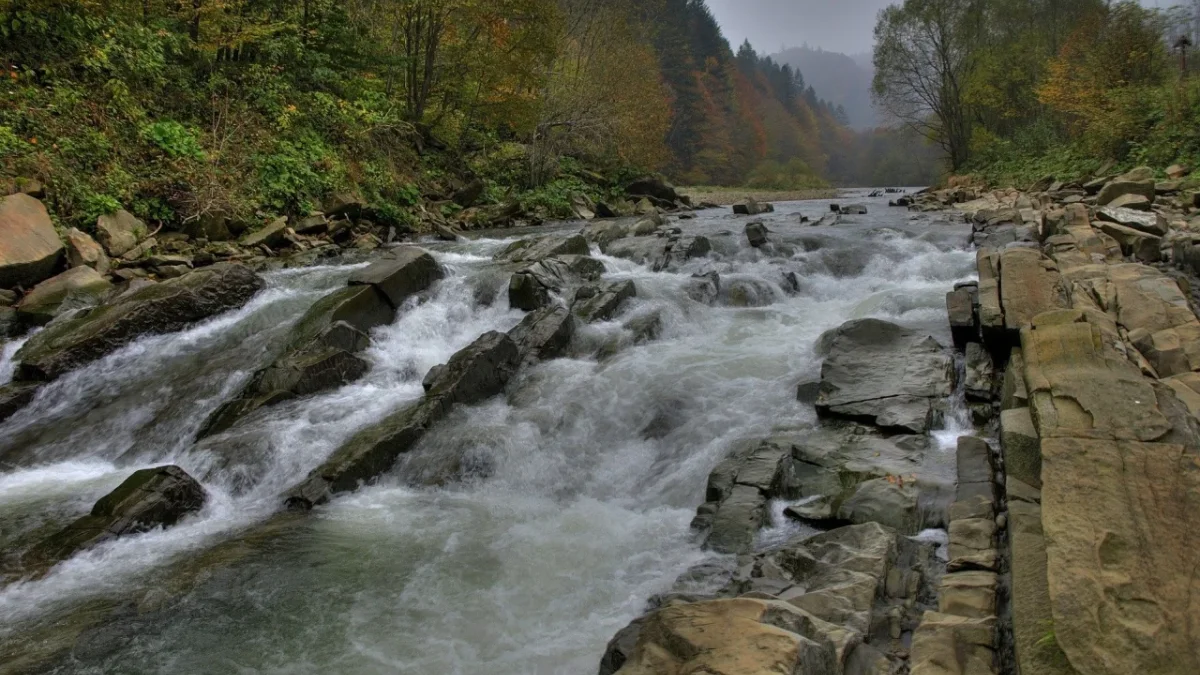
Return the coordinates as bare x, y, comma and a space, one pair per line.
575, 498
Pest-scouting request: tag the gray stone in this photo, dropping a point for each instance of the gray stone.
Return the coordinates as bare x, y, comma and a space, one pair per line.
400, 274
545, 334
601, 303
756, 234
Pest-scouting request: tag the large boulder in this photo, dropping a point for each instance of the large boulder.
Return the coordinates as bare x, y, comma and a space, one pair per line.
1150, 223
83, 250
272, 234
76, 288
886, 375
400, 274
545, 334
601, 303
149, 499
29, 247
162, 308
756, 234
476, 373
1122, 187
535, 285
750, 207
654, 187
1030, 284
1141, 246
120, 232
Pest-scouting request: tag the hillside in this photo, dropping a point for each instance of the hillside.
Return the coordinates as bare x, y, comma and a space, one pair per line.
840, 79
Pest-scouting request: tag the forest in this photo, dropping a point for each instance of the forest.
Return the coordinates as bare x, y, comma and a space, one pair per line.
175, 110
1015, 90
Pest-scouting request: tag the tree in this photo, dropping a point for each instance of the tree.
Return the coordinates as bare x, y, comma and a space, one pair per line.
923, 62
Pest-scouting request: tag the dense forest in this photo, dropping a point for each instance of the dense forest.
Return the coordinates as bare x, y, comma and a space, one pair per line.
179, 109
1020, 89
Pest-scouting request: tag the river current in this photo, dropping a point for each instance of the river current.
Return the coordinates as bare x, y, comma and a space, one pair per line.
572, 511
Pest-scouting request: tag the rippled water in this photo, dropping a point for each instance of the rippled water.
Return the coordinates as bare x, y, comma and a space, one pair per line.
579, 515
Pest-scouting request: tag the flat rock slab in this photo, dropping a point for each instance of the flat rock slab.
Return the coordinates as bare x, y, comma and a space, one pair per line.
400, 274
884, 374
535, 249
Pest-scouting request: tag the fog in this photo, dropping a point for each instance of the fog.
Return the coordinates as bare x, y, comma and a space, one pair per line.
845, 26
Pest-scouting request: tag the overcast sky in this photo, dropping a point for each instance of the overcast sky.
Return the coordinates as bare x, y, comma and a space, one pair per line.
846, 26
834, 25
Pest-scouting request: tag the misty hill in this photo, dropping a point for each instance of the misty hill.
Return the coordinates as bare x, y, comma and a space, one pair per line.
837, 78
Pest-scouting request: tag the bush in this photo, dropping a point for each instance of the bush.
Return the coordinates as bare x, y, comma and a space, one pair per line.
174, 139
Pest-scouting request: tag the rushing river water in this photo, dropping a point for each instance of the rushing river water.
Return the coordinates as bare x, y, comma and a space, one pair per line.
577, 516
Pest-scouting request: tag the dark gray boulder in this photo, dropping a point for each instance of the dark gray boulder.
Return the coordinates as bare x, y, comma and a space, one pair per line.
652, 186
476, 373
538, 248
545, 334
883, 374
534, 286
400, 274
756, 234
162, 308
148, 499
601, 303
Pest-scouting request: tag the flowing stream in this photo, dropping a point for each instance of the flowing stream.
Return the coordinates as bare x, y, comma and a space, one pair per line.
579, 484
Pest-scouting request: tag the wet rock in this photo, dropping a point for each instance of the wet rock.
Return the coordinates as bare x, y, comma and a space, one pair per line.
756, 234
30, 250
15, 396
148, 499
120, 232
980, 373
601, 303
319, 356
960, 306
78, 287
536, 249
534, 286
748, 292
545, 334
476, 373
162, 308
82, 250
882, 373
807, 392
400, 274
750, 207
888, 501
705, 287
854, 210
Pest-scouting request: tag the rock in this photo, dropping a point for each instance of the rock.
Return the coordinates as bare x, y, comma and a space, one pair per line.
733, 636
400, 274
533, 250
945, 644
853, 210
446, 233
970, 594
980, 373
162, 308
960, 306
343, 205
545, 334
16, 395
1022, 448
705, 287
83, 250
76, 288
533, 286
884, 374
756, 234
750, 207
1143, 247
213, 226
313, 224
1131, 202
469, 194
1141, 173
30, 250
807, 392
887, 501
1177, 171
149, 499
583, 207
1150, 223
652, 186
142, 249
1029, 286
1121, 187
119, 232
476, 373
593, 304
1036, 649
272, 235
660, 253
975, 475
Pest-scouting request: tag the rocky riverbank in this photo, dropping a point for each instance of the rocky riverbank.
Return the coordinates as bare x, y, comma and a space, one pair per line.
1068, 544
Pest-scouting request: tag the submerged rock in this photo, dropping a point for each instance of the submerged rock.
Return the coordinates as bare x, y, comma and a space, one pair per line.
600, 303
162, 308
534, 286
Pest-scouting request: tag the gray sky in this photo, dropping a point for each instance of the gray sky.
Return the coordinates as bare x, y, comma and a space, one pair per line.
846, 26
834, 25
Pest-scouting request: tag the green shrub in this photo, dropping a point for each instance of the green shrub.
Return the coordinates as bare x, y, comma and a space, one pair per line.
174, 139
10, 144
